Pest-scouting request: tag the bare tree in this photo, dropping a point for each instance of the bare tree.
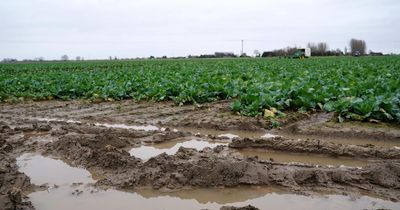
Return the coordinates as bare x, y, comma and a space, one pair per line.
322, 48
257, 53
280, 52
64, 57
290, 50
358, 45
78, 58
313, 47
318, 49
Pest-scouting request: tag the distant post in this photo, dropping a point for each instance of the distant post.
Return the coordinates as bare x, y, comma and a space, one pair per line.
241, 52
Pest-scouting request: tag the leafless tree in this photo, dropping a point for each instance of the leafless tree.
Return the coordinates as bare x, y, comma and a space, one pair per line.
322, 48
318, 49
358, 45
64, 57
290, 50
78, 58
313, 47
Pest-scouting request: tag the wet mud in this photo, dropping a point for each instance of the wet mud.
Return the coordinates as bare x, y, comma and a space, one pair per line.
319, 147
163, 148
71, 188
14, 185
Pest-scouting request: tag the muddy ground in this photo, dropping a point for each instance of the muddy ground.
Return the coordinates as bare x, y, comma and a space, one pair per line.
98, 137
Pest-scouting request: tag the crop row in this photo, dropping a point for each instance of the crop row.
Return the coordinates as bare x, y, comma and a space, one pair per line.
355, 88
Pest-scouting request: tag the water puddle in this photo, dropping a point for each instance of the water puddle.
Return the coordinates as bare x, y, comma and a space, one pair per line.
227, 133
45, 170
289, 157
170, 147
262, 134
82, 197
56, 120
62, 199
342, 140
107, 125
123, 126
268, 136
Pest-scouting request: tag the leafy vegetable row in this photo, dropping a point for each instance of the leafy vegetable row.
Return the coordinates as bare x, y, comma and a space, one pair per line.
355, 88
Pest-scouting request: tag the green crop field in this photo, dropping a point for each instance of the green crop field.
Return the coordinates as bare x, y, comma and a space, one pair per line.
356, 88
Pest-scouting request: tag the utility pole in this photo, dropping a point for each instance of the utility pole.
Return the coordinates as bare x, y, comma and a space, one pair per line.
241, 52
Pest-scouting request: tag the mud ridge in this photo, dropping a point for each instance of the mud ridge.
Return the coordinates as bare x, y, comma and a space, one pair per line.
13, 184
214, 168
249, 207
317, 146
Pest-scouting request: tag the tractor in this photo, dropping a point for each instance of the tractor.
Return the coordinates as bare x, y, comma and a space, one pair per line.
301, 53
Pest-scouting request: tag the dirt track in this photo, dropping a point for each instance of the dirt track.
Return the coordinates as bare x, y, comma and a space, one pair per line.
85, 140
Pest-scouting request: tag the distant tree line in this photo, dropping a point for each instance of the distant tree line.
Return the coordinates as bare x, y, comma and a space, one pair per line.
9, 60
319, 49
280, 52
357, 47
215, 55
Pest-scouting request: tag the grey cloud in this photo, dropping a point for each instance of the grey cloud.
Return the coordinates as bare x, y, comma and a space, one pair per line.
126, 28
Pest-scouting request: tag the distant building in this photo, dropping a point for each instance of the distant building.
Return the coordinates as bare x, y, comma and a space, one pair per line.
375, 53
268, 54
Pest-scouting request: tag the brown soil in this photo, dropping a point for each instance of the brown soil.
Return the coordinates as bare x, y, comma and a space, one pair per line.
249, 207
13, 184
318, 146
103, 150
325, 125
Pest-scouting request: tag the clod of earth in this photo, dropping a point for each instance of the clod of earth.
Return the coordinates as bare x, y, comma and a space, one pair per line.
249, 207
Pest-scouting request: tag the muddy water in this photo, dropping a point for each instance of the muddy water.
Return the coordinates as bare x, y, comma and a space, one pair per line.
65, 197
107, 125
44, 170
341, 140
242, 133
227, 133
288, 157
123, 126
170, 147
261, 134
62, 199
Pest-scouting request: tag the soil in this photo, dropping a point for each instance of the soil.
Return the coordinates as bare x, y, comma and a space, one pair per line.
13, 184
249, 207
318, 146
72, 132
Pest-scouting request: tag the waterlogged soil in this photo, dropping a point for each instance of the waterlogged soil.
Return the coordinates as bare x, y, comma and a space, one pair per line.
69, 188
119, 155
170, 147
290, 157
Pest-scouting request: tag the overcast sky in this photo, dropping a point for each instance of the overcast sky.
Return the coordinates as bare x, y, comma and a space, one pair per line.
139, 28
